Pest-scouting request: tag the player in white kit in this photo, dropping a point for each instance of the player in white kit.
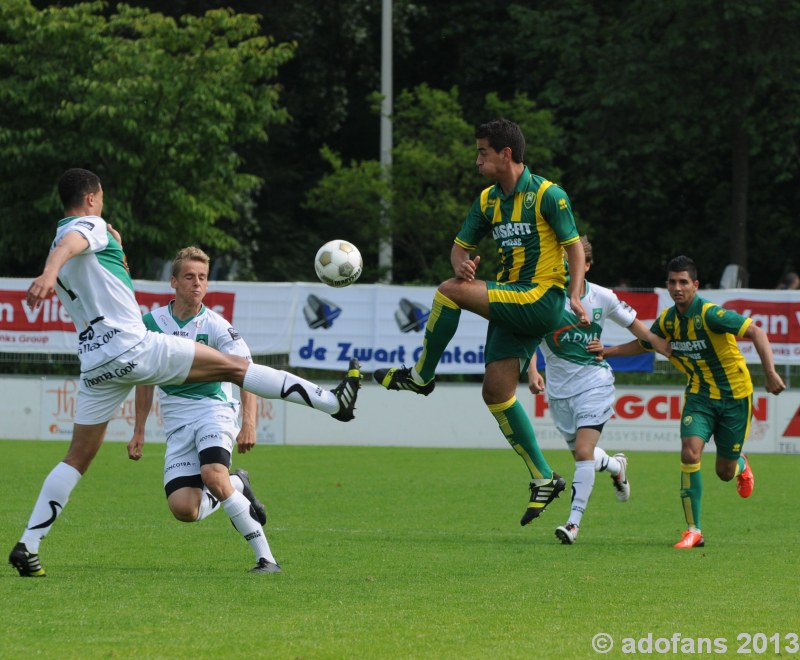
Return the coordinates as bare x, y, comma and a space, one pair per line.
201, 420
580, 392
88, 271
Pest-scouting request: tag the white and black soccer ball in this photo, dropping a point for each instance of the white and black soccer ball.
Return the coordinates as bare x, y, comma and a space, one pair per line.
338, 263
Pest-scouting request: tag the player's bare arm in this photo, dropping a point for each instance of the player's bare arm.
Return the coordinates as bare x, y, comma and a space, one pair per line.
143, 402
774, 383
622, 350
641, 331
577, 272
464, 266
44, 286
246, 439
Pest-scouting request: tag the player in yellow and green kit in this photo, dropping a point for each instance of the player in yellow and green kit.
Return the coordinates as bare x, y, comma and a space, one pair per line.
531, 221
719, 393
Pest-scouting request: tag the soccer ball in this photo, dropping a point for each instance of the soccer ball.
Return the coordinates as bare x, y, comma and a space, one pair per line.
338, 263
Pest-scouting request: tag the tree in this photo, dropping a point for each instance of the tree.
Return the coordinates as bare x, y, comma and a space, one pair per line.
680, 122
160, 109
432, 182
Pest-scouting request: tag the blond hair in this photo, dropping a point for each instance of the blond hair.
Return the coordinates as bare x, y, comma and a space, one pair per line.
191, 254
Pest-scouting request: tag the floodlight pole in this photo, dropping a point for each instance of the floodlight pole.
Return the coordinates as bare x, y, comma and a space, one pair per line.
385, 252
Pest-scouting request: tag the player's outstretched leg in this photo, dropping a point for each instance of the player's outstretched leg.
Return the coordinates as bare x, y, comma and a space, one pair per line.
257, 508
403, 378
439, 330
346, 392
270, 383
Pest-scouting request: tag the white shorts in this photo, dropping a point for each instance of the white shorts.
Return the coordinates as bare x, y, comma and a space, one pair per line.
156, 360
182, 458
590, 408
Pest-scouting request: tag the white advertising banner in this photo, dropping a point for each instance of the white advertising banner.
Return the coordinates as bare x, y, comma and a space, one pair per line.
323, 327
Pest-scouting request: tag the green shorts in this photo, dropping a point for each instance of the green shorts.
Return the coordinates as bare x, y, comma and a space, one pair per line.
520, 315
728, 420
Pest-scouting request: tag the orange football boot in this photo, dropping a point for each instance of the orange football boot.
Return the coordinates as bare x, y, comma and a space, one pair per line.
745, 482
691, 538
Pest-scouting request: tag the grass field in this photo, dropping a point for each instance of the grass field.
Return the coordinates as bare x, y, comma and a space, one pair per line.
396, 553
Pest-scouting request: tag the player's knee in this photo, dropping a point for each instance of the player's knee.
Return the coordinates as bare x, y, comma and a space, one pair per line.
184, 514
726, 472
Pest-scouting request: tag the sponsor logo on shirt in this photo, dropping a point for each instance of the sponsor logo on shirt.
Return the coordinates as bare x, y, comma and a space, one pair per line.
234, 335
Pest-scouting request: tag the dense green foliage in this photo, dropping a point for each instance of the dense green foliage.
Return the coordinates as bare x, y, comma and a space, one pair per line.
393, 553
157, 108
672, 126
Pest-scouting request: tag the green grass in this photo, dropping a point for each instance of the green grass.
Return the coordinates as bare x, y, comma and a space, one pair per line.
393, 553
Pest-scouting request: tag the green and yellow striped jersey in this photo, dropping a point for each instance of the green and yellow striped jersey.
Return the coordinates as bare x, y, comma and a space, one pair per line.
704, 348
531, 226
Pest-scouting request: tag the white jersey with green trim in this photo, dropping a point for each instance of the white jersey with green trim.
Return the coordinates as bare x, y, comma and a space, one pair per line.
96, 289
571, 369
182, 404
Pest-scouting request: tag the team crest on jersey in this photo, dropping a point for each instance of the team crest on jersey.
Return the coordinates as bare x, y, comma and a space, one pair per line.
687, 420
530, 198
234, 335
597, 313
698, 322
202, 339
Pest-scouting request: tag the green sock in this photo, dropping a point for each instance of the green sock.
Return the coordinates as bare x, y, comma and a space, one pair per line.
740, 465
691, 493
442, 325
516, 426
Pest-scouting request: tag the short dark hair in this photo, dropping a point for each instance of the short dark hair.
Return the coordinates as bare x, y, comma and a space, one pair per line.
587, 250
683, 263
75, 184
502, 133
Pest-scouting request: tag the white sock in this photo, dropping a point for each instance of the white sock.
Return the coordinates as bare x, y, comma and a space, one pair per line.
237, 483
604, 462
53, 497
208, 505
238, 509
582, 484
270, 383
